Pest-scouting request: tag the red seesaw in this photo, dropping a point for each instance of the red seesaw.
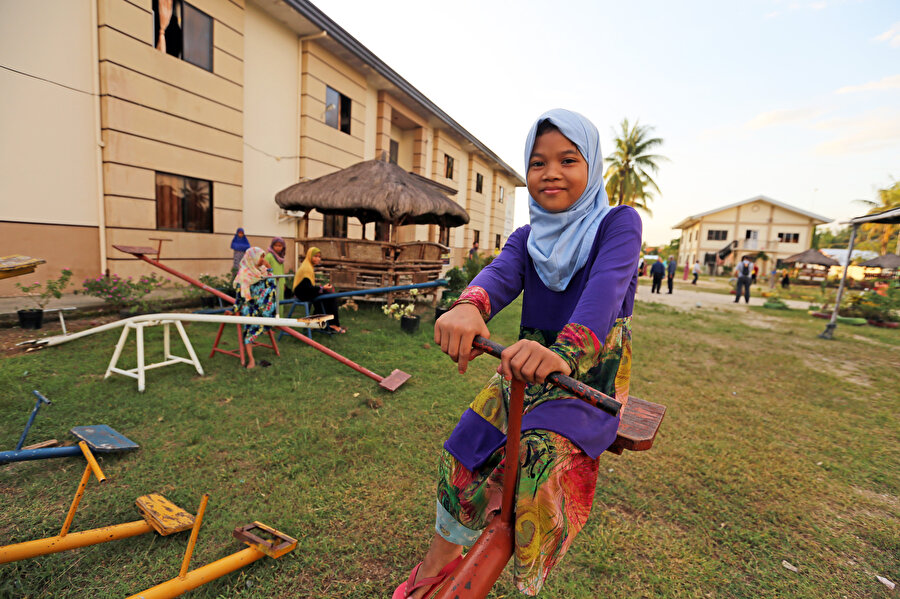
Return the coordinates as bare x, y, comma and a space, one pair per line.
483, 564
391, 382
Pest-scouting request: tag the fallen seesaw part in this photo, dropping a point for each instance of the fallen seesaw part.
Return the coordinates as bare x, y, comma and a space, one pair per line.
158, 513
99, 437
391, 382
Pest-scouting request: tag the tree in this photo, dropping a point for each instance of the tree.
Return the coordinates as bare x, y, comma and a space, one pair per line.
628, 179
881, 234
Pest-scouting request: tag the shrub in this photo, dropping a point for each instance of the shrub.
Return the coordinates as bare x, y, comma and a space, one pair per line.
41, 294
124, 293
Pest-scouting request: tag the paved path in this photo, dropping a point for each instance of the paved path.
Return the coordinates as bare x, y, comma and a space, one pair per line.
690, 297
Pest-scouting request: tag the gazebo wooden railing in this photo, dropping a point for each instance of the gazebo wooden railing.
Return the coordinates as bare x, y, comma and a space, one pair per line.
353, 264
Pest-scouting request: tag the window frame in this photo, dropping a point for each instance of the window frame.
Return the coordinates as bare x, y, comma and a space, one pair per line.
502, 193
448, 166
784, 237
183, 197
178, 15
342, 112
479, 183
717, 235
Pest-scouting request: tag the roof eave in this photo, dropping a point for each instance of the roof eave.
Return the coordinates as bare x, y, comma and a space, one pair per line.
336, 32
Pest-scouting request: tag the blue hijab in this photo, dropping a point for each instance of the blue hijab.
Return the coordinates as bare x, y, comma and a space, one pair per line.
240, 244
559, 243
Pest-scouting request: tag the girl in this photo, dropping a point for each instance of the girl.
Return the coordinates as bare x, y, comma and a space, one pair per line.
577, 264
275, 257
306, 290
240, 245
256, 295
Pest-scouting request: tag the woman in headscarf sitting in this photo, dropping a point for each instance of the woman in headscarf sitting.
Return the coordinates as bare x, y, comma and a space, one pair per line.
240, 245
306, 290
256, 295
275, 257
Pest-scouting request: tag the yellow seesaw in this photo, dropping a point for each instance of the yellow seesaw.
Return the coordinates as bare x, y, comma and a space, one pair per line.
158, 513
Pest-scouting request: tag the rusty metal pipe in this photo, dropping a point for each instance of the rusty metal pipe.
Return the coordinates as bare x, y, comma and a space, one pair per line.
202, 575
28, 549
92, 462
484, 562
225, 297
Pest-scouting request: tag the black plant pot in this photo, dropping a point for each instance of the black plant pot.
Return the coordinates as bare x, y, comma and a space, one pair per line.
31, 318
438, 312
410, 324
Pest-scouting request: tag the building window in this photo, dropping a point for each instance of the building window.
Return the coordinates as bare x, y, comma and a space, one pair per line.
334, 225
448, 166
789, 237
444, 236
394, 152
337, 110
716, 235
497, 240
476, 236
479, 182
183, 203
500, 199
183, 32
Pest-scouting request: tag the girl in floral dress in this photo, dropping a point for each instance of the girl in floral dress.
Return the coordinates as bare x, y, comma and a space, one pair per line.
577, 265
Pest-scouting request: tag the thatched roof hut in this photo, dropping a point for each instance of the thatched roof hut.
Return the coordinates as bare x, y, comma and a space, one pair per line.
811, 256
891, 261
376, 191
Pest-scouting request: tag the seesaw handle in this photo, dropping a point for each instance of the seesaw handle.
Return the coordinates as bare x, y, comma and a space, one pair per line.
576, 388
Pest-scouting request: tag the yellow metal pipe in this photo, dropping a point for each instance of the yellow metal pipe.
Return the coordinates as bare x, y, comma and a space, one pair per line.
28, 549
202, 575
198, 520
92, 462
76, 500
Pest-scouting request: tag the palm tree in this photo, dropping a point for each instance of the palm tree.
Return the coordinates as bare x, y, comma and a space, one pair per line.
888, 198
628, 179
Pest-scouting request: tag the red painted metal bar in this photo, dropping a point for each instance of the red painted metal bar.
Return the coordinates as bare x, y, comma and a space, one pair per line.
395, 379
485, 561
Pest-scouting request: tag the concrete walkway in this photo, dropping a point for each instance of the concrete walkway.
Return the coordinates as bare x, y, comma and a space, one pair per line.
9, 305
690, 297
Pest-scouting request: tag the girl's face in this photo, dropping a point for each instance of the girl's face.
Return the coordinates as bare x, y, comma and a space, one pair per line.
278, 247
316, 260
262, 261
240, 233
557, 172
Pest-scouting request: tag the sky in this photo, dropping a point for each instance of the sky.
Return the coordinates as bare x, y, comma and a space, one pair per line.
795, 100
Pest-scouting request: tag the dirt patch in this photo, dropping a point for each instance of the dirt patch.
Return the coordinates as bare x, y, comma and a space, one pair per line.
844, 370
10, 336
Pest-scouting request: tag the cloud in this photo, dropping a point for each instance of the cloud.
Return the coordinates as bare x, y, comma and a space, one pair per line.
889, 82
891, 36
782, 117
875, 130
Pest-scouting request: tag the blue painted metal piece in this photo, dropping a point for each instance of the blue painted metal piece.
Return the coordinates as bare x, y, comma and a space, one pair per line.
99, 437
37, 406
103, 438
436, 283
23, 455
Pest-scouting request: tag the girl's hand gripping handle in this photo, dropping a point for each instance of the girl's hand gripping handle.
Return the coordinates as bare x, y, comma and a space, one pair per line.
577, 388
455, 330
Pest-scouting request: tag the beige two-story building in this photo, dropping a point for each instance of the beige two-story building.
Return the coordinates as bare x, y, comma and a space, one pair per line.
128, 120
747, 228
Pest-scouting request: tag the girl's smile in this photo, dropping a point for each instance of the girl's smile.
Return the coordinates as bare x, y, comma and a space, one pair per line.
557, 172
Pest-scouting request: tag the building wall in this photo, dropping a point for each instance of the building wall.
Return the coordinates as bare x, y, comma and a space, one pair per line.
48, 154
163, 114
271, 124
765, 218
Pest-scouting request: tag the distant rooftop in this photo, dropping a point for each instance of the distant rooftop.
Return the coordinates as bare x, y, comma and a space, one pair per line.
692, 220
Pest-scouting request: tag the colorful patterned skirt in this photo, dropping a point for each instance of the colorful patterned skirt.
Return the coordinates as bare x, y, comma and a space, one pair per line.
263, 302
555, 494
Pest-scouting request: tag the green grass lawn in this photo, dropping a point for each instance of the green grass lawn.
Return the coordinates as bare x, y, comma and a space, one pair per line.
776, 446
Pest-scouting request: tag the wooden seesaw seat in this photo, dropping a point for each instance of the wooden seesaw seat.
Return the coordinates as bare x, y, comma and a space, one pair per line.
638, 425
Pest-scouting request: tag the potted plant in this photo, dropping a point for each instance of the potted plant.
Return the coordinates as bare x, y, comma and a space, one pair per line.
32, 318
409, 322
444, 306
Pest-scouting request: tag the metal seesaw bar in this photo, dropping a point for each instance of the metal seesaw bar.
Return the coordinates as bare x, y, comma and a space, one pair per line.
391, 382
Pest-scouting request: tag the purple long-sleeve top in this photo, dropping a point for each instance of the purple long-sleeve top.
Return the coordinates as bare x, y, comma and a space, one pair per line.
598, 295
